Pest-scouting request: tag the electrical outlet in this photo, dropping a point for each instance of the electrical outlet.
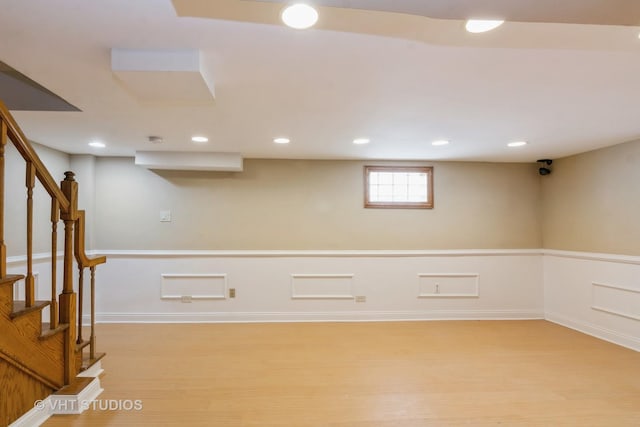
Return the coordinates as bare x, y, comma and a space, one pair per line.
232, 292
361, 298
165, 216
186, 298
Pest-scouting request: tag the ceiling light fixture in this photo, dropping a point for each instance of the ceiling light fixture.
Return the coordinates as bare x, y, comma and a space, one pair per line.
440, 142
299, 16
200, 139
361, 141
517, 144
281, 140
482, 25
97, 144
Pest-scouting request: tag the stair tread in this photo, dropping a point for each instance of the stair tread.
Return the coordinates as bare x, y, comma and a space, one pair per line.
20, 308
88, 362
73, 389
48, 332
10, 279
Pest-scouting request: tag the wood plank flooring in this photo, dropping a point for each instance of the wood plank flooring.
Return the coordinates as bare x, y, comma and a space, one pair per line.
407, 374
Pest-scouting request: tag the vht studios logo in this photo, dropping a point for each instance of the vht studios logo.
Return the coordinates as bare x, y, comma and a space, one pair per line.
78, 406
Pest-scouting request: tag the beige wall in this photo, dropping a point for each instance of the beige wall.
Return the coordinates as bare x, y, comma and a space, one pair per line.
591, 201
16, 199
296, 204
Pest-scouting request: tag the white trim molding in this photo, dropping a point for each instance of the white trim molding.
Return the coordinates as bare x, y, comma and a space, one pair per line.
76, 403
143, 253
36, 416
475, 293
635, 295
325, 281
596, 331
165, 292
126, 253
43, 256
61, 404
593, 256
301, 317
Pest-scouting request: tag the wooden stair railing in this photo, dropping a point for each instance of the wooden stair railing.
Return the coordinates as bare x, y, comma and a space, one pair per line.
66, 308
85, 262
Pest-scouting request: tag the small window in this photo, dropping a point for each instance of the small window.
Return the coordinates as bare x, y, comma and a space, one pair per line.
398, 187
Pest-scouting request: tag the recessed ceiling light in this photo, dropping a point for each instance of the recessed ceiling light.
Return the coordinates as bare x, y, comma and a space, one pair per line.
361, 141
517, 144
281, 140
200, 139
97, 144
482, 25
440, 142
299, 16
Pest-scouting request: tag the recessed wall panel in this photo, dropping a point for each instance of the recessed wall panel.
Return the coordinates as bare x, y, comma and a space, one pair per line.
196, 286
322, 286
617, 300
448, 285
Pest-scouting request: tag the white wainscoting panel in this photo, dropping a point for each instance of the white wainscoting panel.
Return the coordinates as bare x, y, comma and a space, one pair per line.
618, 300
448, 285
594, 293
319, 286
322, 286
195, 286
570, 288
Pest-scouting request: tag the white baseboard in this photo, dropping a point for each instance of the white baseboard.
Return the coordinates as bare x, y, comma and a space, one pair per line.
343, 316
94, 371
627, 341
52, 404
36, 416
76, 404
59, 404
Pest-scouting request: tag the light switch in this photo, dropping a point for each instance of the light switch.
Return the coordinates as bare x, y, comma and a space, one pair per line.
165, 216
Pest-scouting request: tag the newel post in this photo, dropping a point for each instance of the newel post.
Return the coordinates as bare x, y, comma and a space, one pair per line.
68, 298
70, 189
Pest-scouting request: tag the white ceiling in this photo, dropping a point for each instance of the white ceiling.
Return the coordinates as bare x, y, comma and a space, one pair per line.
401, 80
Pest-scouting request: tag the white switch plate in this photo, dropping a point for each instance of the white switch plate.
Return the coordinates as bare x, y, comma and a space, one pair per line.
165, 216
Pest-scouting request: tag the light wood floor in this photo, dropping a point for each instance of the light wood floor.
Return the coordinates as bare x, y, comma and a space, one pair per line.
364, 374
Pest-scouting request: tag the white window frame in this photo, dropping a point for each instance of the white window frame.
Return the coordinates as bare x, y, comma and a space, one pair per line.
426, 170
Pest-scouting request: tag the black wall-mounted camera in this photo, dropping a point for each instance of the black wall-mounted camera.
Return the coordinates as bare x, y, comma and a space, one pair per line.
545, 170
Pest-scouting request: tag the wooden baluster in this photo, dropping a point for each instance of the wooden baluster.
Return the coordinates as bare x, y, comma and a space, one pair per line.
68, 297
92, 342
55, 218
3, 249
80, 298
29, 280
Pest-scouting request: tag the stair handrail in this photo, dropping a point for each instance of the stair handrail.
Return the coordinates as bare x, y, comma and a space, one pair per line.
25, 149
81, 255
